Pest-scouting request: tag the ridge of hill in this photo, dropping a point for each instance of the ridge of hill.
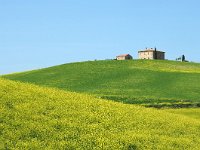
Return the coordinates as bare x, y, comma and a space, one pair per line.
155, 83
33, 117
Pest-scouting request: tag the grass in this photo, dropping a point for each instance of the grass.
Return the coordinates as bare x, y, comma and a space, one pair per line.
33, 117
190, 112
147, 82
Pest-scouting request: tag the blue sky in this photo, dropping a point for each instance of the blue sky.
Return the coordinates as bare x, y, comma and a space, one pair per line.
41, 33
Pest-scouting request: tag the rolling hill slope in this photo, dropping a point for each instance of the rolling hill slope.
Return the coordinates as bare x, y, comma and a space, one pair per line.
190, 112
148, 82
32, 117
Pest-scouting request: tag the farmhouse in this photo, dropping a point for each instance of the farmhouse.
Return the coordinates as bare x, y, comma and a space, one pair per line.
151, 53
124, 57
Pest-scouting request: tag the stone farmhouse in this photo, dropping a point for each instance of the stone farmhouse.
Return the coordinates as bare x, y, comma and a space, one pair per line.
150, 53
124, 57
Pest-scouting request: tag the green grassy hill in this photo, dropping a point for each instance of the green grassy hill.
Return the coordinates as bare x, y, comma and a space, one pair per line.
32, 117
153, 83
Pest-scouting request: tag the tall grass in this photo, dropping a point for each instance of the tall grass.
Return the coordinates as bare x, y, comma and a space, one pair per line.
33, 117
189, 112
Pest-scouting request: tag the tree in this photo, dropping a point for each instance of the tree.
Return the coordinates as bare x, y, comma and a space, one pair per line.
183, 58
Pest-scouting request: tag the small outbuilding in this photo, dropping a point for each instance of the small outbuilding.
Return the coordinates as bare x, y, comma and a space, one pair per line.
124, 57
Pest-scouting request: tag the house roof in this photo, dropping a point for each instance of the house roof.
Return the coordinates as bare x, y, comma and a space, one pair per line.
124, 55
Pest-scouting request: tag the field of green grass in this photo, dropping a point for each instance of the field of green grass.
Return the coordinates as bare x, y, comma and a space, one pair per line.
33, 117
152, 83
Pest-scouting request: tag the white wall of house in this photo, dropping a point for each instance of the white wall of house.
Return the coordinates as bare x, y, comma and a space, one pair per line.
151, 54
120, 58
146, 55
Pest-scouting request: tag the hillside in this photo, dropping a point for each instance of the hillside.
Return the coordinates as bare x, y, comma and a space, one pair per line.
190, 112
149, 82
32, 117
